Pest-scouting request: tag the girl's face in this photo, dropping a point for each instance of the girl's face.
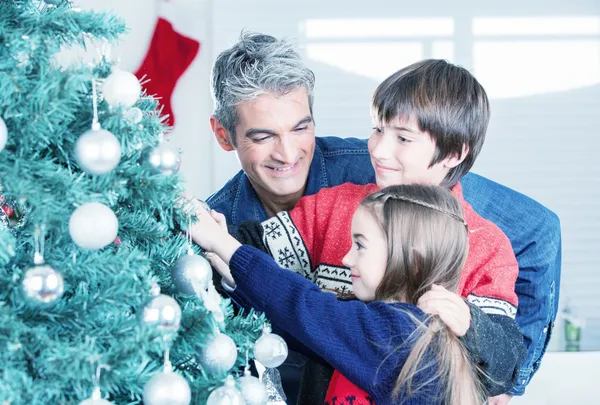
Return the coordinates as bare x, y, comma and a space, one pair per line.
367, 258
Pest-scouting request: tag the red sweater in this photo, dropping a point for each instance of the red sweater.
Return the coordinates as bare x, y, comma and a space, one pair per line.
313, 238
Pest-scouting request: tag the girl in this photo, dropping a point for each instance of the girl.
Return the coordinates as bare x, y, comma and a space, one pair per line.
406, 240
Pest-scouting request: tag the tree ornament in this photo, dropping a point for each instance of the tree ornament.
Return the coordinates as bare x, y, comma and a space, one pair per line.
164, 158
161, 311
96, 399
253, 391
54, 2
270, 349
134, 115
42, 285
226, 395
220, 354
3, 134
167, 387
191, 273
97, 151
272, 382
121, 89
212, 302
93, 226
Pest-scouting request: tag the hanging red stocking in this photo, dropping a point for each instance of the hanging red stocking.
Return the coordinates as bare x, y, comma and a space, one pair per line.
170, 54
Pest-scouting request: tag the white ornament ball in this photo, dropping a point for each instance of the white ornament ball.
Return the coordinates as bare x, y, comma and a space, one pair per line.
220, 354
97, 151
270, 350
3, 134
190, 272
162, 312
167, 389
121, 89
93, 226
253, 391
42, 285
164, 158
226, 395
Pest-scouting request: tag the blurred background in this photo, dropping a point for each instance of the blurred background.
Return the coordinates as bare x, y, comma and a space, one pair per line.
539, 60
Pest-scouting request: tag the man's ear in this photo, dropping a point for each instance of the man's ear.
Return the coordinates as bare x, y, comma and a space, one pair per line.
454, 160
222, 135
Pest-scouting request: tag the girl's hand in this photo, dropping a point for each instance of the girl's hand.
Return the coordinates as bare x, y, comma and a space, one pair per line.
450, 307
221, 267
210, 232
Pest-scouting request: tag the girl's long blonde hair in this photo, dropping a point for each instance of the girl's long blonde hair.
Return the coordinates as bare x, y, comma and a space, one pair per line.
428, 244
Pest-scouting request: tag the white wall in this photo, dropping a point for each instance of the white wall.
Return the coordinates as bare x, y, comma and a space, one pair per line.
544, 87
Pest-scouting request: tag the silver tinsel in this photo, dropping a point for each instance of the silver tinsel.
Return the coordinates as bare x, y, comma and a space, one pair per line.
272, 381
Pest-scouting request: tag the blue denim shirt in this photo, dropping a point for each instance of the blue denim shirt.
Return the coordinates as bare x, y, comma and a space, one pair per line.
533, 230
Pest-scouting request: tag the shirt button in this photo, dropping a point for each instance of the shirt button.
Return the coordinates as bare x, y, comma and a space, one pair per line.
545, 330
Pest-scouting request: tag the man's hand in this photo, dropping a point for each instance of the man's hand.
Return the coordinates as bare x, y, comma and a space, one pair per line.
450, 307
499, 399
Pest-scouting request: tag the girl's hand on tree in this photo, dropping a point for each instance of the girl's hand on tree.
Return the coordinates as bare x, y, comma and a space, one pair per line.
210, 232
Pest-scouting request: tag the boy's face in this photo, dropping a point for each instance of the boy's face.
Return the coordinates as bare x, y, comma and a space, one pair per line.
401, 154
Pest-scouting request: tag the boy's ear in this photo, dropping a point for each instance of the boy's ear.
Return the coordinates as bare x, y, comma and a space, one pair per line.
222, 135
454, 160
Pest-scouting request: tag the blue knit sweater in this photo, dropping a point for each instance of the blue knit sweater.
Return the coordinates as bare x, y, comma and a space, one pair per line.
367, 342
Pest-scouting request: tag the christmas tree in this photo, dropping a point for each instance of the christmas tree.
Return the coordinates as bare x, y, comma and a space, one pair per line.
100, 289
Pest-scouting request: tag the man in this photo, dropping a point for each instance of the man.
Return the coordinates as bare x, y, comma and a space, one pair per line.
263, 97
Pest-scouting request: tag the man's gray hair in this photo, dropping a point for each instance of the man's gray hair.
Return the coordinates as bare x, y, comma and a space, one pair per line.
256, 64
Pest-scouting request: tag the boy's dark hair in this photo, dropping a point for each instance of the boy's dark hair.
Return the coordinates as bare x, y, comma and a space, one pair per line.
447, 102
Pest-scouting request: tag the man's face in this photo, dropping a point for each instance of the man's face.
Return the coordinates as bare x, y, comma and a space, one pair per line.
276, 142
401, 154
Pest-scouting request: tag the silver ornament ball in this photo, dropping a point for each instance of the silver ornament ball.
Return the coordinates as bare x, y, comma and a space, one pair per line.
220, 354
42, 285
93, 226
167, 388
164, 158
121, 89
270, 350
162, 312
190, 272
253, 391
134, 115
97, 151
53, 2
226, 395
3, 134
